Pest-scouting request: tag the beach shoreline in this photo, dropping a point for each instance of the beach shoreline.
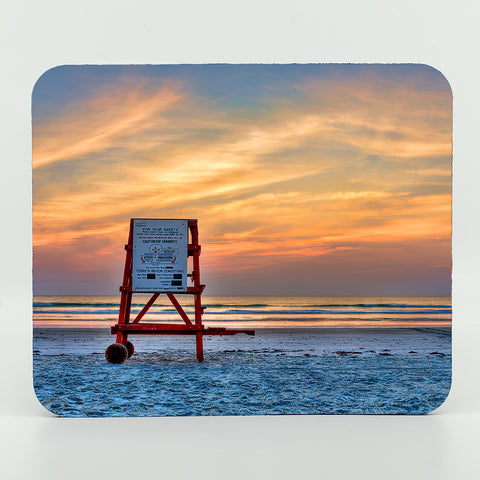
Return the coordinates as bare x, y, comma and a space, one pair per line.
51, 340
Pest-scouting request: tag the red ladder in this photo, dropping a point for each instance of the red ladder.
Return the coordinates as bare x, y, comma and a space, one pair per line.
123, 349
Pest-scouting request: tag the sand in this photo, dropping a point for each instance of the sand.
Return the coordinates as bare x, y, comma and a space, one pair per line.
279, 371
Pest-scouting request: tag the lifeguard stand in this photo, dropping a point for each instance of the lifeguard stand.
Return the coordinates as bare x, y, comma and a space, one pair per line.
156, 262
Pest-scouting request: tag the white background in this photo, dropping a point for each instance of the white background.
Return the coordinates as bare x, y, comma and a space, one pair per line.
36, 36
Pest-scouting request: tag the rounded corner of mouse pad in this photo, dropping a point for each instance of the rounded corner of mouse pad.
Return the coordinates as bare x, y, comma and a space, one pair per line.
242, 239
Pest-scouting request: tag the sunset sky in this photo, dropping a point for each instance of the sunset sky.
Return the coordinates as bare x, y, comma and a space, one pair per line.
305, 179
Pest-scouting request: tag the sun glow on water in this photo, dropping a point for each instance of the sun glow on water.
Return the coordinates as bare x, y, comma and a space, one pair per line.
253, 312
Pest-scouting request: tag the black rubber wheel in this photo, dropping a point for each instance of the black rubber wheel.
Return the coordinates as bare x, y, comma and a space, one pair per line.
116, 353
130, 349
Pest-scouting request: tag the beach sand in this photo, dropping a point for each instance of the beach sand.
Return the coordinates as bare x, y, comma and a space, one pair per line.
279, 371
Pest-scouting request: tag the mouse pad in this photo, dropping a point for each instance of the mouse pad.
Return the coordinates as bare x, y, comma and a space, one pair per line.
241, 239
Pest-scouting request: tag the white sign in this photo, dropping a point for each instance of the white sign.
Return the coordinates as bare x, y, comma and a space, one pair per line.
160, 252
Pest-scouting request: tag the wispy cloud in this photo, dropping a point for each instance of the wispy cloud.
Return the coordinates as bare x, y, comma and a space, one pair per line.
329, 169
98, 124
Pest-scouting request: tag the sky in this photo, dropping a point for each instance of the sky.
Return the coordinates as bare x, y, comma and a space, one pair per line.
305, 179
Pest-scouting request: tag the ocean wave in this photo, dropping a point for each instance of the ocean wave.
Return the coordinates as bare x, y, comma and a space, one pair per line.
99, 311
117, 305
327, 312
249, 305
377, 305
236, 311
75, 304
283, 320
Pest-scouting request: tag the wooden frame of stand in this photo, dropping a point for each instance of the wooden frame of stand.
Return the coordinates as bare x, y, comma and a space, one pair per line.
123, 349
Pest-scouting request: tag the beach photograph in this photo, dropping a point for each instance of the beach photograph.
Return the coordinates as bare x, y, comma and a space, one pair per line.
322, 195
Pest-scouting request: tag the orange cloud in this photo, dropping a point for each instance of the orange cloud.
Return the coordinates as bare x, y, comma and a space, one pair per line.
301, 178
96, 125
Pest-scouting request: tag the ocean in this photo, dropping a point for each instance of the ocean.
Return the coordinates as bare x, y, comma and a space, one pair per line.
252, 311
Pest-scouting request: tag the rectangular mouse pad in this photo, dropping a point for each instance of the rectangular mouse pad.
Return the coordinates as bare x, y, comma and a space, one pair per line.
241, 239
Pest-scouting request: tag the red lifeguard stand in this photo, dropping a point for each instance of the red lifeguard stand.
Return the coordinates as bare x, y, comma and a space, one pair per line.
156, 263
